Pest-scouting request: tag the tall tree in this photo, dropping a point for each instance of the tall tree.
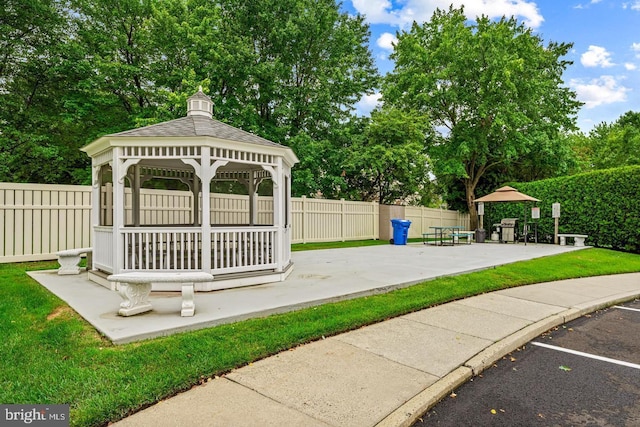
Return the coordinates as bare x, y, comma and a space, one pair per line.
611, 145
298, 65
72, 70
492, 89
33, 83
116, 39
389, 163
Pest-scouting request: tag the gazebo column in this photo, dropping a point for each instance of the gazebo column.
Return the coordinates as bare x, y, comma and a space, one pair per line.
287, 216
277, 176
135, 195
118, 173
253, 198
195, 188
206, 176
96, 203
206, 171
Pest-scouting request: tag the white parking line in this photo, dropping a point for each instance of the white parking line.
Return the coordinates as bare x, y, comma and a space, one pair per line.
591, 356
626, 308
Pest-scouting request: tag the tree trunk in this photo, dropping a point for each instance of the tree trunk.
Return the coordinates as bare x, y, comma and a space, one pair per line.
470, 189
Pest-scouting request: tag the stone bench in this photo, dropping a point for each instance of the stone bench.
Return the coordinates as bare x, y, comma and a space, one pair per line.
136, 286
578, 239
69, 260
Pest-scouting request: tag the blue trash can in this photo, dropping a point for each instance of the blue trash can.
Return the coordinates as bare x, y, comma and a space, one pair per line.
400, 231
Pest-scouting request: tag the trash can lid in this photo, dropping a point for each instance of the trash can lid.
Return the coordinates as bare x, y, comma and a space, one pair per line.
400, 221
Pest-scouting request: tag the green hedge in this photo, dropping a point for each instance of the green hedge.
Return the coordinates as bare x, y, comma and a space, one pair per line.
603, 204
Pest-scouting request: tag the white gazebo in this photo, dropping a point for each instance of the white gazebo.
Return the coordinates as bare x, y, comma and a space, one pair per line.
197, 151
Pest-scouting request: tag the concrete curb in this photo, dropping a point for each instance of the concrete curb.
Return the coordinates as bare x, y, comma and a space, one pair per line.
487, 357
407, 414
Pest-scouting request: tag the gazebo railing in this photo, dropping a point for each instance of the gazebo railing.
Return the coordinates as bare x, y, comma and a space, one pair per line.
234, 249
243, 249
103, 239
169, 248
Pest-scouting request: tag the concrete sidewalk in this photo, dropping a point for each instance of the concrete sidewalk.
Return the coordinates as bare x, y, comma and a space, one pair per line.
389, 373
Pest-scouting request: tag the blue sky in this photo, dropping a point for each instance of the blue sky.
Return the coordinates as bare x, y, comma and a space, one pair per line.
605, 34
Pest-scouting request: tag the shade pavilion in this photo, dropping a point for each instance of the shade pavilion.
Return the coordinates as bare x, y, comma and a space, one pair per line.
507, 194
197, 151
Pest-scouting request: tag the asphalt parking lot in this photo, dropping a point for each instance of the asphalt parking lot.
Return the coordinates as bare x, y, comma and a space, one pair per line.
584, 373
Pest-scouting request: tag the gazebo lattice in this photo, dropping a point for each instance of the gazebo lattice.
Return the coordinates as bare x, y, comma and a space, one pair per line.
197, 151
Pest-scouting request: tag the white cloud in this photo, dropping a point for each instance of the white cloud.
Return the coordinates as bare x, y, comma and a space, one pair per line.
367, 103
635, 5
596, 56
636, 48
601, 91
405, 12
386, 41
630, 67
581, 6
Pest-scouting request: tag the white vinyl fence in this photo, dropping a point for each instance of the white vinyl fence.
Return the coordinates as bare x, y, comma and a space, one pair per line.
321, 220
37, 220
423, 218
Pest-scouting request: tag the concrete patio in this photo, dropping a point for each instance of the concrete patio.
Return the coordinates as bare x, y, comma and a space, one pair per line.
318, 277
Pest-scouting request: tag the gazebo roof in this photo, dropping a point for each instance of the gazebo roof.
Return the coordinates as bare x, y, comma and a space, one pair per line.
196, 126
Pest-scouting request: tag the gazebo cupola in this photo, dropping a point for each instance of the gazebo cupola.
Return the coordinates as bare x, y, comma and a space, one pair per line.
195, 152
199, 104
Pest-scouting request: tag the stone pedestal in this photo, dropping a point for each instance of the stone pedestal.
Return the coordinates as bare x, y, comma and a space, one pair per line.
188, 304
136, 298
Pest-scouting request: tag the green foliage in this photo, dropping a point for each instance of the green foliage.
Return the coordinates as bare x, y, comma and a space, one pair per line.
305, 64
611, 145
288, 70
35, 74
390, 163
493, 85
602, 204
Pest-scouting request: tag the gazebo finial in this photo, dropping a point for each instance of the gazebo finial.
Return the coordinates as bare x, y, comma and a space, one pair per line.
200, 104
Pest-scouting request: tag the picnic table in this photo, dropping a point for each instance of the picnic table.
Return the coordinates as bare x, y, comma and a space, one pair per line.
446, 234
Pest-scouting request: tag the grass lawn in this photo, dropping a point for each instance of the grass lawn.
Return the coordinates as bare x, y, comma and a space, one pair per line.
50, 355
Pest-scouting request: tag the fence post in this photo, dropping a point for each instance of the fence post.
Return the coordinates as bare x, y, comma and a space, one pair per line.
376, 221
343, 215
304, 219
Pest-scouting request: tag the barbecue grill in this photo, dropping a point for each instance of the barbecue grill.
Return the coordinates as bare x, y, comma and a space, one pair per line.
508, 227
